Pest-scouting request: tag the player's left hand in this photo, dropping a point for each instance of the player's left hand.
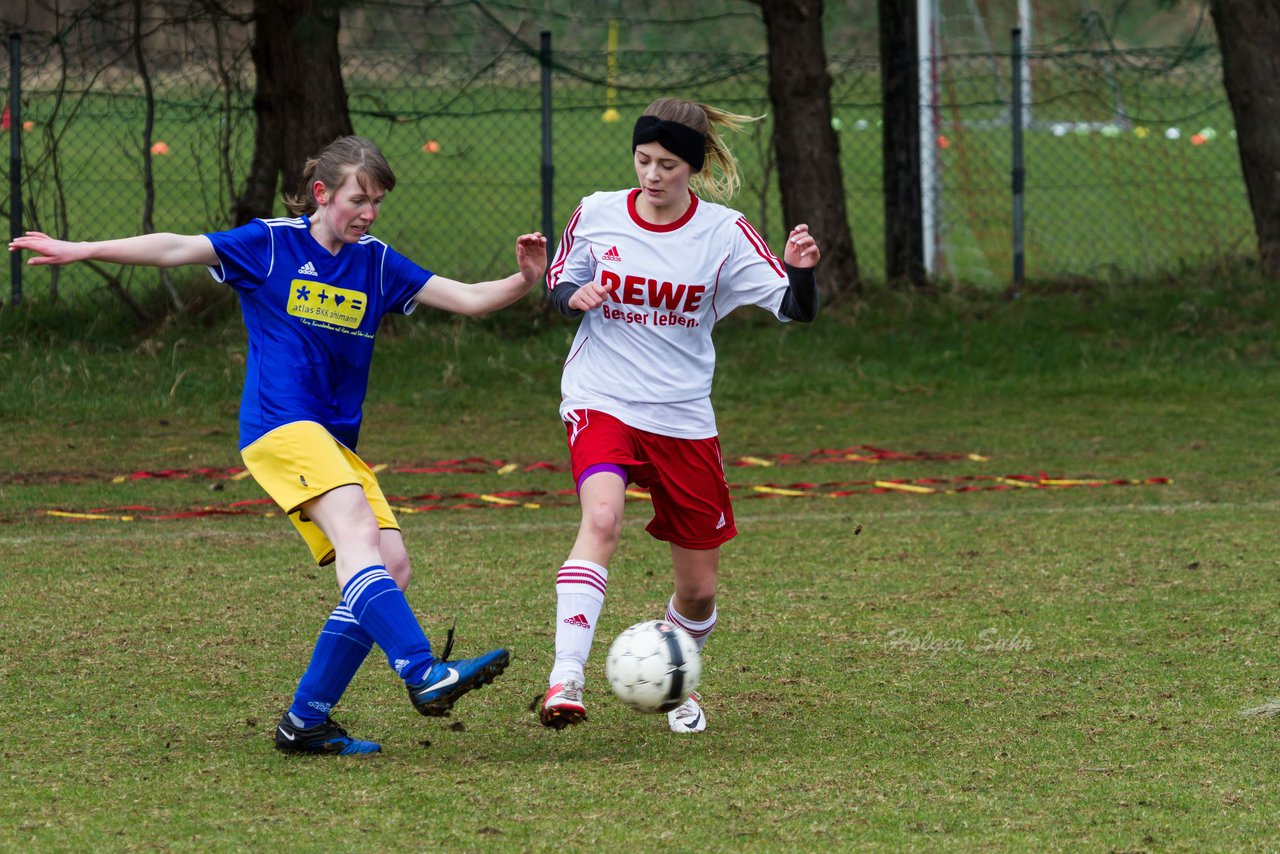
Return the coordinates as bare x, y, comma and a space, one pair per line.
531, 255
802, 249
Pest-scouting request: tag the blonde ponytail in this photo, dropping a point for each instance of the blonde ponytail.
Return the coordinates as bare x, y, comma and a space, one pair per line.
719, 178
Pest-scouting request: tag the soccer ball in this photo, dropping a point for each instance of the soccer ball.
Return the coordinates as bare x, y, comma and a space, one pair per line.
653, 666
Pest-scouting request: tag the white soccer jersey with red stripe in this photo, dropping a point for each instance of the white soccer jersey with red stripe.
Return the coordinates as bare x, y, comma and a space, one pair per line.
646, 355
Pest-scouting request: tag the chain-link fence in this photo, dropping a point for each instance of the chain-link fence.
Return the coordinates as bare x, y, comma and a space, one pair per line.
1130, 157
1131, 167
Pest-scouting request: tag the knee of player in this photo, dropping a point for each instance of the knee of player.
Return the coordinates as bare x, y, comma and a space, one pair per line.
361, 529
603, 521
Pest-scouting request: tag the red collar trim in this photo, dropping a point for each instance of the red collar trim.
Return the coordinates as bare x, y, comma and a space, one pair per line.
650, 226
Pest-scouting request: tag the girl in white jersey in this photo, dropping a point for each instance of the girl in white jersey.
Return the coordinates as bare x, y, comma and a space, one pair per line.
313, 290
650, 270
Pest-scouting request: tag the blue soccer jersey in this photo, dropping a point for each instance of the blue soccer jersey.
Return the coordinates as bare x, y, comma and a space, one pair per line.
311, 318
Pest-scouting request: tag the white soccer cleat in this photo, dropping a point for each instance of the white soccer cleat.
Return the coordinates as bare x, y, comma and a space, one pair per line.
562, 706
688, 716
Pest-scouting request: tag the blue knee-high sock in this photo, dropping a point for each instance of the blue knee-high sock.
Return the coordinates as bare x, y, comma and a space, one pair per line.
381, 610
340, 650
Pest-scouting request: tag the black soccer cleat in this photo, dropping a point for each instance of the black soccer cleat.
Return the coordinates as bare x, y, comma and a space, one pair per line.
323, 738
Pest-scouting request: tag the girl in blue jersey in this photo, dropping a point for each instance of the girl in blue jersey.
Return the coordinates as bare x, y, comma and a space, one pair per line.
313, 290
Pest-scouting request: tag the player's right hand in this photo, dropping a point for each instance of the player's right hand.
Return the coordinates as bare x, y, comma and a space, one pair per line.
590, 296
47, 249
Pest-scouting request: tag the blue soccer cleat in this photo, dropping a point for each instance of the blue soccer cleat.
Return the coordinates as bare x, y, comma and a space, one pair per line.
323, 738
446, 681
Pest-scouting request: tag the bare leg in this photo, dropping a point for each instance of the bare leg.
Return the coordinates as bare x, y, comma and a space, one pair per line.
602, 497
696, 574
347, 520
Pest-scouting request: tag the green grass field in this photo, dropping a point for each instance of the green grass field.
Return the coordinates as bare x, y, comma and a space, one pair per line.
1058, 668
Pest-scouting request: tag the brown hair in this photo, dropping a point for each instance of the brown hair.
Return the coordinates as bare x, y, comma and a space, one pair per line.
344, 155
719, 177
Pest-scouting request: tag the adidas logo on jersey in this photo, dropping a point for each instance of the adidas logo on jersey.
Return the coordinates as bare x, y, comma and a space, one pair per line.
579, 620
307, 269
611, 255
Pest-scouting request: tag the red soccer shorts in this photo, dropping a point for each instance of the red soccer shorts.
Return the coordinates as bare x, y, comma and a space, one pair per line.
685, 477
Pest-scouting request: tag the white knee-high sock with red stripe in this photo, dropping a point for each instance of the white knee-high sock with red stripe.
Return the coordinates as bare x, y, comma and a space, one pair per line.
699, 630
580, 587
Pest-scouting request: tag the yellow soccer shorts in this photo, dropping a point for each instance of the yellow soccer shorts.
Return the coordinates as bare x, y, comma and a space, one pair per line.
300, 461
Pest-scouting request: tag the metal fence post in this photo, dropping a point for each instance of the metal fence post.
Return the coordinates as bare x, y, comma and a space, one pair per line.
1018, 173
15, 164
548, 164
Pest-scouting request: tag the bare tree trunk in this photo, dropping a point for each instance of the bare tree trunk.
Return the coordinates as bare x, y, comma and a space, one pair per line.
900, 147
149, 123
1248, 33
809, 175
257, 199
300, 103
228, 88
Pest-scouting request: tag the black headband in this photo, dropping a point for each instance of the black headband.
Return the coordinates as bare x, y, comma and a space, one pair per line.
682, 141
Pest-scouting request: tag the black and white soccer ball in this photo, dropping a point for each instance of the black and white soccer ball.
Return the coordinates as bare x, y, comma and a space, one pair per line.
653, 666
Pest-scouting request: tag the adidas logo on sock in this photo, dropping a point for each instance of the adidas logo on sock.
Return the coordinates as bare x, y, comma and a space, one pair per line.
307, 269
400, 665
579, 620
611, 255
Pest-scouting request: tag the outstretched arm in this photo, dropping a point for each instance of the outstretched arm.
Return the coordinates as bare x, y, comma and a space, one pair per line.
149, 250
481, 298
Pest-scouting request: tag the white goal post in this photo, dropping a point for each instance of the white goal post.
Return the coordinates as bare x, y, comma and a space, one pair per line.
927, 51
